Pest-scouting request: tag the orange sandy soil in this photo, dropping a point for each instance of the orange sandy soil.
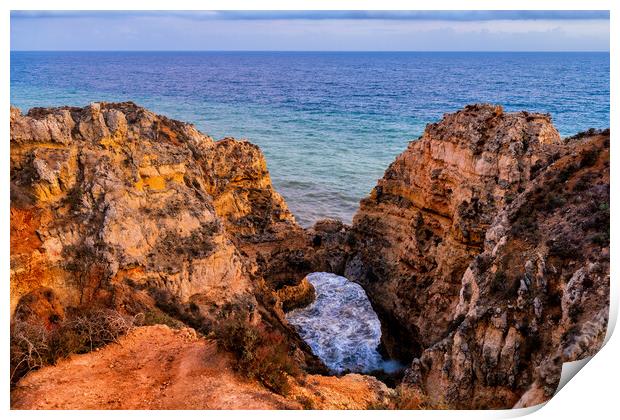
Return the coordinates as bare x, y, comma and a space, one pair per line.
159, 368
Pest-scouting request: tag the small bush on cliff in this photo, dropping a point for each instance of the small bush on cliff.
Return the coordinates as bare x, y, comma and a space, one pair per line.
96, 328
75, 199
80, 260
565, 173
158, 317
35, 345
562, 247
601, 239
29, 348
261, 354
306, 403
588, 158
171, 311
584, 182
524, 224
499, 280
553, 201
602, 218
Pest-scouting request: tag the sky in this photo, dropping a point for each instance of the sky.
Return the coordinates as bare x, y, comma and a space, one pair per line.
311, 30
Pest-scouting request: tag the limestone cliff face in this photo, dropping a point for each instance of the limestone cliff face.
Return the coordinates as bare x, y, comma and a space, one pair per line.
426, 219
537, 296
484, 249
239, 182
111, 200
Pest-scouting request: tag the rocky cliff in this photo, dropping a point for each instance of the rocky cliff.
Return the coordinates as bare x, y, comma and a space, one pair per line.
484, 249
538, 294
114, 206
108, 195
426, 219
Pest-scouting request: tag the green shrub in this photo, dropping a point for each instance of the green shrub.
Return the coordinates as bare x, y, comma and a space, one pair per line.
173, 310
588, 158
585, 182
157, 317
562, 247
524, 223
566, 172
554, 201
601, 239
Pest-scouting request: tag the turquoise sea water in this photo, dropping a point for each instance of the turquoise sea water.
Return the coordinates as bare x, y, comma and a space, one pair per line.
328, 123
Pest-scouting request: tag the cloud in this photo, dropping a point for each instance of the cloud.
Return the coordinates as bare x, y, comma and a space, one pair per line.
463, 16
286, 31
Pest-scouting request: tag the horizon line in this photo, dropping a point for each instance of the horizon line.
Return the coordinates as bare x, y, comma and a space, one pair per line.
333, 51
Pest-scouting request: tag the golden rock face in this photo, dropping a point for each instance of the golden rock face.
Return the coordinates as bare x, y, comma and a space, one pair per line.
468, 245
484, 249
426, 219
112, 193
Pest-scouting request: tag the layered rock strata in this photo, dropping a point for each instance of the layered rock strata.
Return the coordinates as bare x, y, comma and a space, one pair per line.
536, 297
426, 219
485, 251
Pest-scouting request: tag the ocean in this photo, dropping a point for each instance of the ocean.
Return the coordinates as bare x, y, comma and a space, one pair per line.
328, 123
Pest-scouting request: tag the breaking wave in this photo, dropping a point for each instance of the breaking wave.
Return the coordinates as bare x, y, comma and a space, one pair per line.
340, 326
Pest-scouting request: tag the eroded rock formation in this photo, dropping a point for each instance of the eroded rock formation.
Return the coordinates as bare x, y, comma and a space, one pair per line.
116, 194
426, 219
114, 206
537, 296
484, 249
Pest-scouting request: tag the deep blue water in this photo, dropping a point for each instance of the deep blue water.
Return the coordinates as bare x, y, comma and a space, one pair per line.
328, 123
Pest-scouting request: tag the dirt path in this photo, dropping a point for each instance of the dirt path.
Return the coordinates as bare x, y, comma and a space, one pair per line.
160, 368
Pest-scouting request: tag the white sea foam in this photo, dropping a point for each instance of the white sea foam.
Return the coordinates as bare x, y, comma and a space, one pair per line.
340, 326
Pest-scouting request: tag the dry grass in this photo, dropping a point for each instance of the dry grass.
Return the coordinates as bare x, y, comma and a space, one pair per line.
261, 354
34, 346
